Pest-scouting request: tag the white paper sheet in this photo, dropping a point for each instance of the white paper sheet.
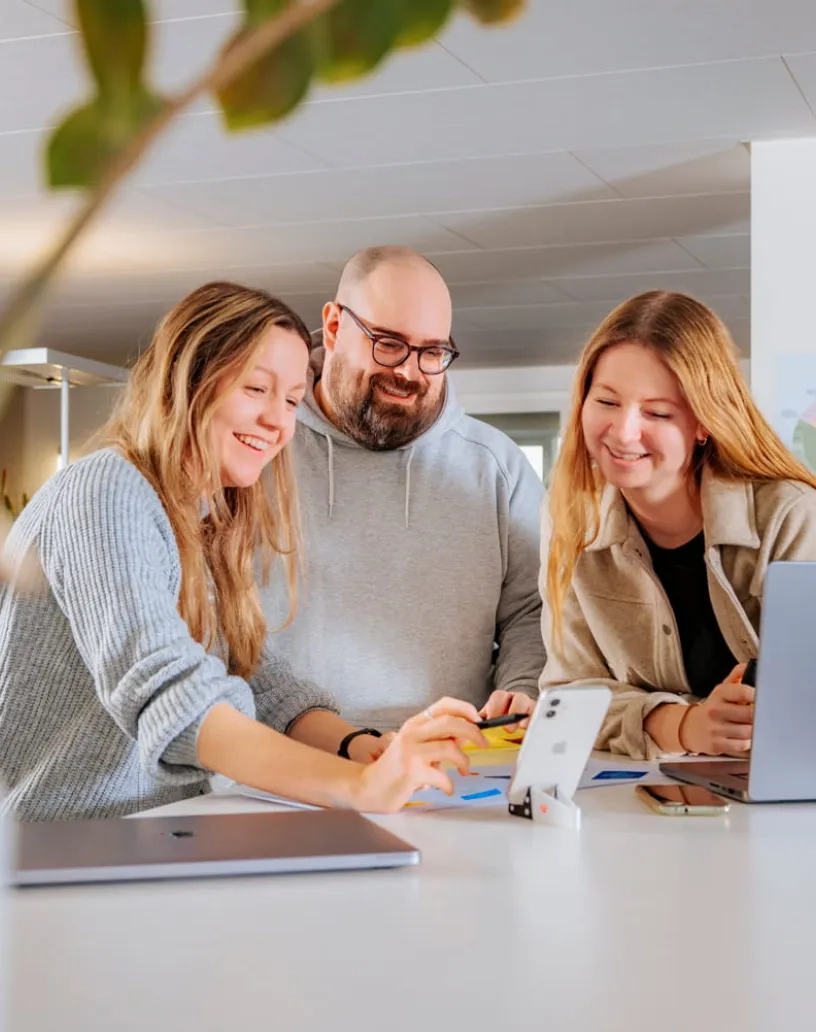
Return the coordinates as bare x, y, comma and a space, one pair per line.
485, 786
614, 771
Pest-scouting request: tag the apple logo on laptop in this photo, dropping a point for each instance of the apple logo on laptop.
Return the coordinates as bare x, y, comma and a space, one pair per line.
560, 747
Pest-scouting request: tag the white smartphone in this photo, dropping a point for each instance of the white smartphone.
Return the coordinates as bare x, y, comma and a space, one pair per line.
562, 733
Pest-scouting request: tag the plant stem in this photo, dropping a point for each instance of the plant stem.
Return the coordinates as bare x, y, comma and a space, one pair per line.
244, 52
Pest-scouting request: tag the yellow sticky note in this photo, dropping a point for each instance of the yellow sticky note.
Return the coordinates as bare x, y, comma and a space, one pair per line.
503, 745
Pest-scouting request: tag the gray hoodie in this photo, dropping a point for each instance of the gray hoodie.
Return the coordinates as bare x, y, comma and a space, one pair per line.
417, 561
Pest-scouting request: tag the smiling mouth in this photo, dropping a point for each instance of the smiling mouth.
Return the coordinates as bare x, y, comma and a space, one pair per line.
257, 444
623, 456
396, 392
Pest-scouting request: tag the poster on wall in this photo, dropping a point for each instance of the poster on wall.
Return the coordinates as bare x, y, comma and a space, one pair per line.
796, 406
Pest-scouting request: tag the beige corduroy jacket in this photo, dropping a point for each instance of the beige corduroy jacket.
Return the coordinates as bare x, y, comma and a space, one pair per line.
618, 626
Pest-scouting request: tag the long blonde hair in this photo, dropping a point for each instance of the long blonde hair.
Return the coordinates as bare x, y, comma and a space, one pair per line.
697, 348
161, 424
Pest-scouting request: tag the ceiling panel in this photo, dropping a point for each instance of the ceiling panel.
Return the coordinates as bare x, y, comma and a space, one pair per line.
741, 332
700, 283
165, 10
390, 190
706, 166
492, 348
515, 292
803, 69
581, 260
160, 10
183, 49
720, 252
21, 162
427, 68
600, 221
40, 78
198, 147
583, 37
61, 9
167, 287
735, 98
127, 234
328, 241
564, 314
19, 19
602, 157
531, 317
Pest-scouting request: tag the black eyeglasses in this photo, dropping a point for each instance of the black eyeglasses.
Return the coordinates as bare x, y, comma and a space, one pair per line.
392, 352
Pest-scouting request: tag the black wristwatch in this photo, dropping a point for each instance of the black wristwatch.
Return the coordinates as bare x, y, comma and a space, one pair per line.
343, 750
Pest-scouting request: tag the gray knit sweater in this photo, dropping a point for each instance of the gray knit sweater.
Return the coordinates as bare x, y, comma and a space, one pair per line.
102, 688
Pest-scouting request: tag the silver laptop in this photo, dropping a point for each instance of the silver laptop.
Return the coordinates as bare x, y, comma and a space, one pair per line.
203, 846
782, 765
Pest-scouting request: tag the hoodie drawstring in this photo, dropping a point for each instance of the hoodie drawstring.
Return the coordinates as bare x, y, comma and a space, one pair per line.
408, 485
331, 475
407, 480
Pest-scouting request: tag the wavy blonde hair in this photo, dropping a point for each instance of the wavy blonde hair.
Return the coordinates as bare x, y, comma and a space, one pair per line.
161, 424
696, 347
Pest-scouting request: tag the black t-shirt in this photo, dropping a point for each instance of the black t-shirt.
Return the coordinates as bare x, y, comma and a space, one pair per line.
682, 572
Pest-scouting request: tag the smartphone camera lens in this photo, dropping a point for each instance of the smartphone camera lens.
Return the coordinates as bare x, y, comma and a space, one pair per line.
555, 702
550, 713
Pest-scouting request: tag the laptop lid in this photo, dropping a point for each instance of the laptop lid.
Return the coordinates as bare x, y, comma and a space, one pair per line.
783, 757
212, 845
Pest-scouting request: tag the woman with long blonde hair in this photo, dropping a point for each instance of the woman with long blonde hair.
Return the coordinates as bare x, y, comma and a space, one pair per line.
670, 497
142, 664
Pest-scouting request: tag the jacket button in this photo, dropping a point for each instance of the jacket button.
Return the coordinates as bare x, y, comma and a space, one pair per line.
666, 629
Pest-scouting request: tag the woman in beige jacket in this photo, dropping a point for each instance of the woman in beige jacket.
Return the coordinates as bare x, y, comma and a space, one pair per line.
670, 497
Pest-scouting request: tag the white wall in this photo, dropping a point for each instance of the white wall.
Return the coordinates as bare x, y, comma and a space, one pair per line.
526, 389
30, 431
522, 389
30, 421
783, 264
12, 438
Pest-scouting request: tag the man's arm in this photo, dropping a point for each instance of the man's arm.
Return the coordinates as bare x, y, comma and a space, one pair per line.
521, 654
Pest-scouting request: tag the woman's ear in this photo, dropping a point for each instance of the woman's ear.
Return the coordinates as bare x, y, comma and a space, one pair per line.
701, 436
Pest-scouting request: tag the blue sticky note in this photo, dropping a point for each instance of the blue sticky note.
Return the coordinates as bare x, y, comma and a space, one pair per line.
619, 775
482, 795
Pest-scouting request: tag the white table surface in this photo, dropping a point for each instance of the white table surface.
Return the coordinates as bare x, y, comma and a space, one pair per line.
637, 922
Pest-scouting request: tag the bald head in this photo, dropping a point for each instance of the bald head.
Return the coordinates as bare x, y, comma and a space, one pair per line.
388, 293
363, 264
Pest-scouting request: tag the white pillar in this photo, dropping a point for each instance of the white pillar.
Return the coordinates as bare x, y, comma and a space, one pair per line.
783, 287
65, 403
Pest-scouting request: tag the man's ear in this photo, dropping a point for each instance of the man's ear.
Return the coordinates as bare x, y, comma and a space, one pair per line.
331, 324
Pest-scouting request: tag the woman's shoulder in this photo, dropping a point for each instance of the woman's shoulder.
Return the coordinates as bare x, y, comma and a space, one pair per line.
98, 486
778, 500
781, 494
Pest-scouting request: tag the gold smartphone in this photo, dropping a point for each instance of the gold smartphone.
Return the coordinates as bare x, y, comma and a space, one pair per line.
682, 800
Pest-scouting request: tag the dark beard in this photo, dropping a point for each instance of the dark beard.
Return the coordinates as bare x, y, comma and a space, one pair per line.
369, 420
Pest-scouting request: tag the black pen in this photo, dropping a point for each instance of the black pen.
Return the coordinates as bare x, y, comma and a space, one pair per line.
507, 718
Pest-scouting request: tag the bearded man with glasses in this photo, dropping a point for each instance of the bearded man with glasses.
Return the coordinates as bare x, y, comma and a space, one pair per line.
421, 524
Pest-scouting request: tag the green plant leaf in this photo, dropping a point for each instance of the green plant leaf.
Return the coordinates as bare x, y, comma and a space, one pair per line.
259, 11
269, 89
490, 12
115, 36
420, 20
81, 148
352, 38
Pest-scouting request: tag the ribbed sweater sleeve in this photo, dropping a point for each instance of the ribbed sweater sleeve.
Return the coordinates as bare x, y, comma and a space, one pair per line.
110, 557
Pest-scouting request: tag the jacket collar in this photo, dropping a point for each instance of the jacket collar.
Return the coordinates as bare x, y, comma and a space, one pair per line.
729, 516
